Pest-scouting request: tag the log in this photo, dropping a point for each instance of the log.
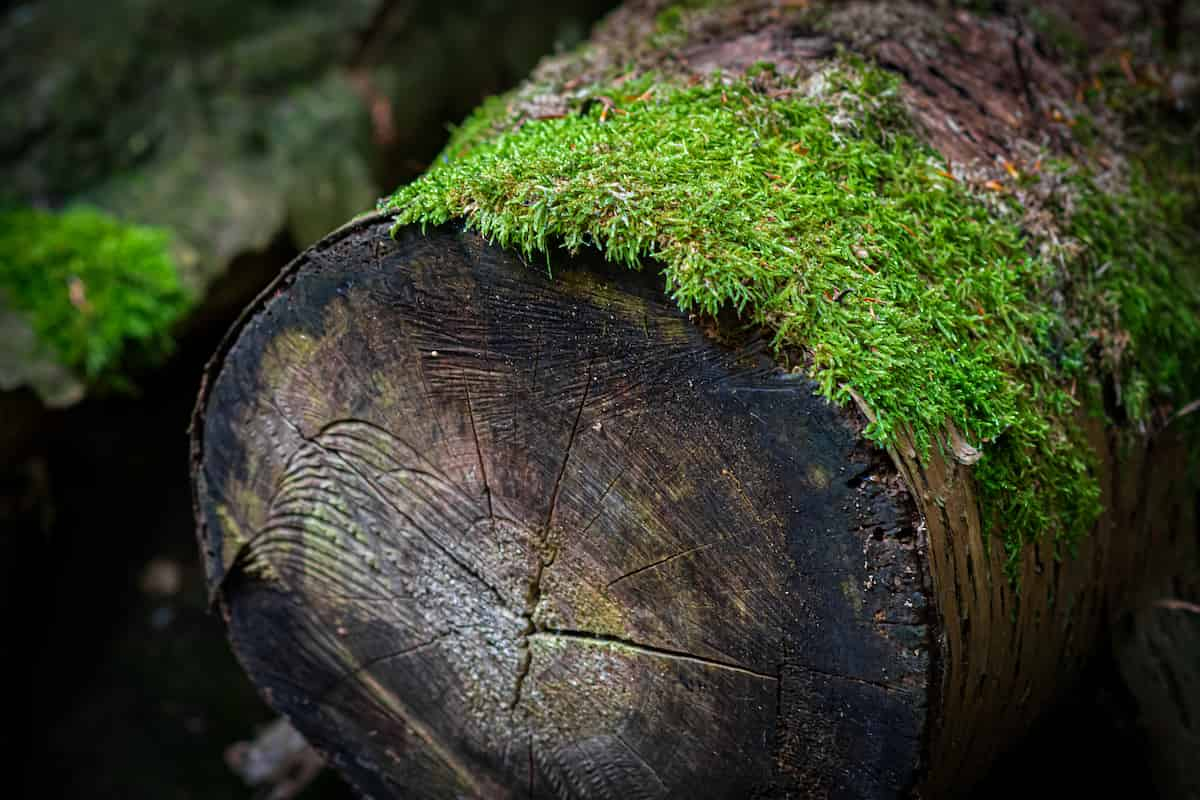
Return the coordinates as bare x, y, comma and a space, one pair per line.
559, 532
482, 528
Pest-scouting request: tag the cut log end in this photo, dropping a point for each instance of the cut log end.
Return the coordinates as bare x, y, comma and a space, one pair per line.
479, 531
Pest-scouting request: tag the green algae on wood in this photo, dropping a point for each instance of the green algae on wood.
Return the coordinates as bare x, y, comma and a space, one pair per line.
101, 295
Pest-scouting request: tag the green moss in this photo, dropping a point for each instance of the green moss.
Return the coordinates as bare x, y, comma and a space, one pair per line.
99, 293
1141, 277
670, 20
827, 221
484, 123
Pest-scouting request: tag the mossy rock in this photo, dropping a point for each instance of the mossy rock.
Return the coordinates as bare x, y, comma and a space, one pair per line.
96, 295
235, 126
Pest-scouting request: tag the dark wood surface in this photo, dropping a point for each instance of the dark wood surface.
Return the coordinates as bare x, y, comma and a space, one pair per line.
479, 531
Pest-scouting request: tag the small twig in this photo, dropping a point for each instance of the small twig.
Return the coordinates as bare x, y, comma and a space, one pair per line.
1173, 604
1187, 409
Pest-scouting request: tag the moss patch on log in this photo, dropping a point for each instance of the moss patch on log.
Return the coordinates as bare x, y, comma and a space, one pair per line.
100, 294
1140, 293
812, 209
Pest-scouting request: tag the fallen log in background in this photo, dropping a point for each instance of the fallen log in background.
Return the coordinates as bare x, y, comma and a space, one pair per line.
479, 531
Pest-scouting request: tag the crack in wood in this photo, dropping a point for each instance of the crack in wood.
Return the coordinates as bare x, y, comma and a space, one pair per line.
524, 661
533, 595
371, 662
887, 687
612, 484
562, 471
530, 767
487, 489
591, 639
600, 502
643, 761
447, 552
348, 429
660, 562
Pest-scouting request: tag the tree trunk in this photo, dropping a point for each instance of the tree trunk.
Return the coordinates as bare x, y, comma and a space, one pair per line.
480, 531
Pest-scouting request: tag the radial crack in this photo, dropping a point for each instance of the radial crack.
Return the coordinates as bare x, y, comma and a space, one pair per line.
887, 687
533, 595
524, 660
637, 428
487, 489
660, 562
603, 640
371, 662
600, 502
381, 495
643, 761
531, 767
562, 470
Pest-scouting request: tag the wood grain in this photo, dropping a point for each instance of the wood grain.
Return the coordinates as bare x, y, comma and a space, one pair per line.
481, 532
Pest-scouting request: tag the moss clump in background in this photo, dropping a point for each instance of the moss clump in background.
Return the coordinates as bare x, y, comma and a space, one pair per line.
671, 19
100, 294
813, 211
1141, 268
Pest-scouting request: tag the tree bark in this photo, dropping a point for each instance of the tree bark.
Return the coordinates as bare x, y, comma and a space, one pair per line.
478, 531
